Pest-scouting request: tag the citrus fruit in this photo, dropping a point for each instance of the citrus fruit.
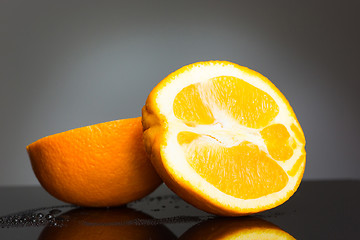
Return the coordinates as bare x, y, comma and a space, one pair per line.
224, 138
105, 224
228, 228
99, 165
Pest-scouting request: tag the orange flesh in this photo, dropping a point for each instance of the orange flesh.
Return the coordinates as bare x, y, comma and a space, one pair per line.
187, 137
231, 170
250, 106
189, 107
243, 171
296, 166
276, 138
299, 135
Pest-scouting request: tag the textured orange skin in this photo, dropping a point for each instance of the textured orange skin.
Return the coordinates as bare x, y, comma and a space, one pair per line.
155, 127
105, 224
100, 165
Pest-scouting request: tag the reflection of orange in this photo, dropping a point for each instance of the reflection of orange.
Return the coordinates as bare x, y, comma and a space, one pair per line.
235, 228
105, 224
99, 165
224, 138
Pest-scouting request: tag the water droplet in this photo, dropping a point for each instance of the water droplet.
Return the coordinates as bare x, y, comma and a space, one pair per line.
55, 211
49, 216
40, 215
59, 219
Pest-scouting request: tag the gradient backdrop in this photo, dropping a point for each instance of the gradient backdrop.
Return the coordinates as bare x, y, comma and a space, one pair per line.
66, 64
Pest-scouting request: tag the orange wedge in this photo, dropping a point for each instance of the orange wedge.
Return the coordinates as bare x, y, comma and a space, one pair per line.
100, 165
224, 138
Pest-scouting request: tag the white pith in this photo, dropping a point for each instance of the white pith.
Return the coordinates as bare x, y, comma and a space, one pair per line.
225, 130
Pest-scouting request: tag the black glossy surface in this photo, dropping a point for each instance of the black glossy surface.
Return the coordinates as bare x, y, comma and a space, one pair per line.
318, 210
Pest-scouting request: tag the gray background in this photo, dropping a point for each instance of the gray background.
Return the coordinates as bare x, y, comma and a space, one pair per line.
66, 64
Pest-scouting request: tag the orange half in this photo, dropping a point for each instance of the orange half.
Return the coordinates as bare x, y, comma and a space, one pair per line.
224, 138
100, 165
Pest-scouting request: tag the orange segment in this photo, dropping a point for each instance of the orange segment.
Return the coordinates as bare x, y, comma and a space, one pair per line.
247, 104
189, 107
100, 165
276, 138
231, 170
298, 133
187, 137
296, 166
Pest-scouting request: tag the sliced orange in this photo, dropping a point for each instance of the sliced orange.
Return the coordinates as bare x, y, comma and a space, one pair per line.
100, 165
224, 138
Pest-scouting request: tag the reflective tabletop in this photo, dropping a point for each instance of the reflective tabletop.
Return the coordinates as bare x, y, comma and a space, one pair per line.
318, 210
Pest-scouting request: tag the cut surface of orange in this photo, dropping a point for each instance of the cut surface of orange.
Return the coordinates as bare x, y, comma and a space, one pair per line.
224, 138
99, 165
